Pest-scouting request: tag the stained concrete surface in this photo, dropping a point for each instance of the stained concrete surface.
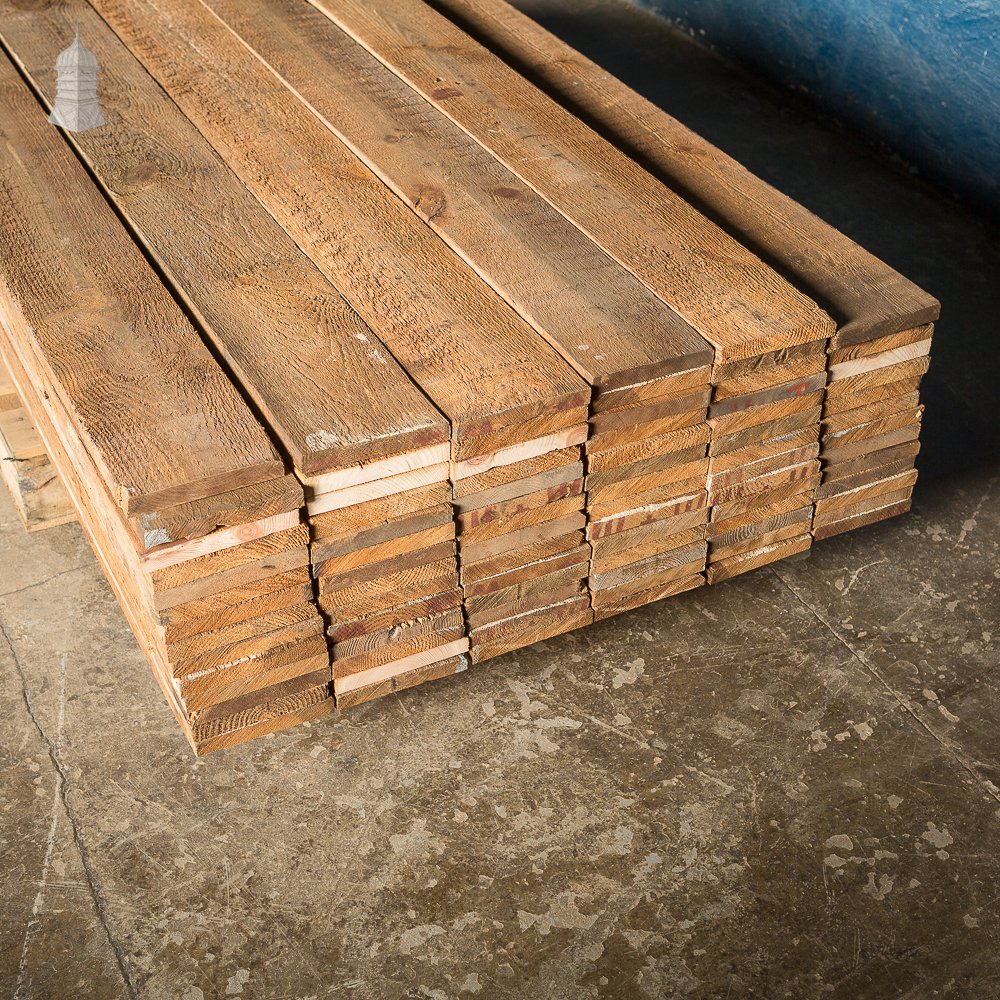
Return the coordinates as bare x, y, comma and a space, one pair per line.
787, 785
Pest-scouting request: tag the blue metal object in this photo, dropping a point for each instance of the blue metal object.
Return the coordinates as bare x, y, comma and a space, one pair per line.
922, 75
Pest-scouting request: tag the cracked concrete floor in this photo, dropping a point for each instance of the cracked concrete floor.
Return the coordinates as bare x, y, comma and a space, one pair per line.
783, 786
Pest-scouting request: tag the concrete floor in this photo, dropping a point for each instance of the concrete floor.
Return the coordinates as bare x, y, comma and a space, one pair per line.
783, 786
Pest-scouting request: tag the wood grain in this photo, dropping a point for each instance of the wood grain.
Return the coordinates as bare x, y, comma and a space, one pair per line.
605, 561
328, 546
799, 420
606, 400
610, 545
867, 298
748, 519
762, 449
370, 513
722, 540
175, 574
863, 506
465, 348
861, 520
29, 475
846, 499
865, 349
400, 641
285, 332
754, 503
378, 675
525, 629
846, 419
572, 542
383, 686
834, 484
646, 514
533, 257
341, 630
726, 569
576, 557
613, 603
730, 297
160, 418
614, 595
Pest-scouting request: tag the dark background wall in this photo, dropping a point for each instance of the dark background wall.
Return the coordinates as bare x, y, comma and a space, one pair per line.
921, 75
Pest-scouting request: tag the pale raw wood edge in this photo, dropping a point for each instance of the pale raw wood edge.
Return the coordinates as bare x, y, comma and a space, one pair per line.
648, 508
609, 393
339, 499
520, 452
845, 369
216, 541
342, 685
369, 472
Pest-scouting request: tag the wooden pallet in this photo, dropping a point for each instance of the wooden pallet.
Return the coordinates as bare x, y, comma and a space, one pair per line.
29, 475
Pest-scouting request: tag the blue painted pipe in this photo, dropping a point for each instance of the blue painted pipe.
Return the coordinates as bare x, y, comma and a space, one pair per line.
922, 75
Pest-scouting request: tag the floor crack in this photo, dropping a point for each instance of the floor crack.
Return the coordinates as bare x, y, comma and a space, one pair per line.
40, 583
904, 703
64, 785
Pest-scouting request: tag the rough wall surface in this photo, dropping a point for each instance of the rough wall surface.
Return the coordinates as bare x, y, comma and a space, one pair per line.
922, 75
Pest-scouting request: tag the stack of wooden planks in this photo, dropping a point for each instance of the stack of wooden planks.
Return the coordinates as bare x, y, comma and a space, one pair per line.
356, 428
880, 350
647, 369
768, 339
871, 428
25, 467
509, 397
177, 485
384, 558
764, 467
428, 368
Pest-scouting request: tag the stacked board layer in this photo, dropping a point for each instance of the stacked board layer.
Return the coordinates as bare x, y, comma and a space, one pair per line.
364, 360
